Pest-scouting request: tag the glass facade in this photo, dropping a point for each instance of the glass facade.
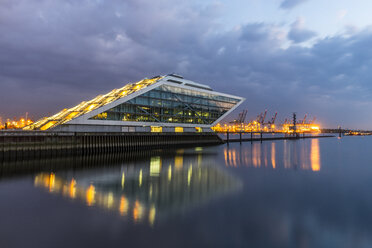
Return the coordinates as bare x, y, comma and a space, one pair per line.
171, 104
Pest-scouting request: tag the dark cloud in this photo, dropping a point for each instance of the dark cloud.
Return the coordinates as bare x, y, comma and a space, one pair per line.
289, 4
298, 33
57, 53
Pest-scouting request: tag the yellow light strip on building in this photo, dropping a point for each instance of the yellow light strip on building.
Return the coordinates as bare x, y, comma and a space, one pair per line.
178, 129
156, 129
48, 125
88, 106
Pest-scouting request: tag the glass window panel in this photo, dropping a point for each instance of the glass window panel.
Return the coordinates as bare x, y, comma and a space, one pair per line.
171, 104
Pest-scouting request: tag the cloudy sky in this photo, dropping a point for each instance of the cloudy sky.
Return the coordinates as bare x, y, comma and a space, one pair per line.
306, 56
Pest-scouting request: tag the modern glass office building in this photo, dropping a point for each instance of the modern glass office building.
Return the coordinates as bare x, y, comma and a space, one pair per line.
160, 104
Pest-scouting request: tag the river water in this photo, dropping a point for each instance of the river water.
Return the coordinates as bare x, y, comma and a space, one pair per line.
303, 193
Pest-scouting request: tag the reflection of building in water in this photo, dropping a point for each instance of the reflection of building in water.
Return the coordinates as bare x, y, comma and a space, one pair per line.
27, 166
144, 193
303, 154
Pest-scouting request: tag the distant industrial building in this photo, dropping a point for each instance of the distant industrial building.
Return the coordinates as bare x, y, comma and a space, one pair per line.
161, 104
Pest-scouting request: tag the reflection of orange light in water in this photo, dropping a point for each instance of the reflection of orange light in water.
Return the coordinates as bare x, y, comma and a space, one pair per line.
287, 154
52, 178
64, 190
254, 158
304, 155
137, 211
265, 156
234, 157
152, 213
256, 155
273, 162
230, 158
246, 157
178, 162
90, 195
225, 153
123, 207
72, 188
315, 155
46, 181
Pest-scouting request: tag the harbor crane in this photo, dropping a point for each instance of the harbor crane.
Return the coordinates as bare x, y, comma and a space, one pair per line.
241, 117
304, 120
272, 122
261, 117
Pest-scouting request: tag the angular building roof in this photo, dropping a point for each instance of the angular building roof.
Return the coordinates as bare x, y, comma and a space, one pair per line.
179, 100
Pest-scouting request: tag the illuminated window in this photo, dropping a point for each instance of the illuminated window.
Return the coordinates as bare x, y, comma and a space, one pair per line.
102, 116
178, 129
198, 129
178, 161
156, 129
91, 107
171, 104
48, 125
71, 115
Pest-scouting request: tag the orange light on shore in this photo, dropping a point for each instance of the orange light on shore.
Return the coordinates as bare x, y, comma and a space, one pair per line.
254, 126
14, 124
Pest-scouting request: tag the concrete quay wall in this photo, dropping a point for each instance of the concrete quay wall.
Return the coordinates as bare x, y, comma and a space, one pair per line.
13, 144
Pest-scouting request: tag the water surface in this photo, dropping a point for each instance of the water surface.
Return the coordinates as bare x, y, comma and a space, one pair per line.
304, 193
